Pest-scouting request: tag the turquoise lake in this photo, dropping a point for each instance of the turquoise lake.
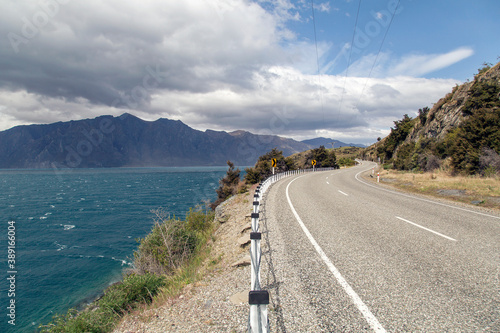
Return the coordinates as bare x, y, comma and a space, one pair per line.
76, 230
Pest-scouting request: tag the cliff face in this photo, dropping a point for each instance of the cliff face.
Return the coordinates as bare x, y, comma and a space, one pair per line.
462, 128
129, 141
447, 113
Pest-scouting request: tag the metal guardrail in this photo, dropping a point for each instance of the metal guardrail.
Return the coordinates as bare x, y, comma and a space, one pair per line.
258, 299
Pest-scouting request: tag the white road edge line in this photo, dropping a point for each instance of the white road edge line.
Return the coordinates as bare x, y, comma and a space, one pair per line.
365, 311
434, 232
418, 198
344, 193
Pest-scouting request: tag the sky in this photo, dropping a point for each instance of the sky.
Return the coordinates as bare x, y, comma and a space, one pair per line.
343, 69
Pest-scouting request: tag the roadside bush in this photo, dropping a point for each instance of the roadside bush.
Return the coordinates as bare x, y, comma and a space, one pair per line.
228, 185
263, 167
344, 161
323, 157
171, 241
432, 162
489, 162
103, 315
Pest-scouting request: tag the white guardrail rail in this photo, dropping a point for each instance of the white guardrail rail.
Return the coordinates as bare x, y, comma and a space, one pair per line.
258, 321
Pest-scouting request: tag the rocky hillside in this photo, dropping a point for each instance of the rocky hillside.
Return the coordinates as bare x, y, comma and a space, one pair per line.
462, 131
448, 113
126, 140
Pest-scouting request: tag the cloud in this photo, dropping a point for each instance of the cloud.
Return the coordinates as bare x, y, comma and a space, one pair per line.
223, 65
323, 7
418, 65
102, 50
388, 65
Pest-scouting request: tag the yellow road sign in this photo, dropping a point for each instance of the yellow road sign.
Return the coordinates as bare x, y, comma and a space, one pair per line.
274, 162
313, 162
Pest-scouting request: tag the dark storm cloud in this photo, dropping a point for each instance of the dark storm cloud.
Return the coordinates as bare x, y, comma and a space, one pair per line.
210, 63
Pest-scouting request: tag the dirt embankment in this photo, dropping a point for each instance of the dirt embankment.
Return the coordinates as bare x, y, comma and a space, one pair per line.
470, 190
218, 302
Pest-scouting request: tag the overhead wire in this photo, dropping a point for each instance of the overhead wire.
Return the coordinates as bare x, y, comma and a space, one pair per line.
349, 59
317, 60
378, 53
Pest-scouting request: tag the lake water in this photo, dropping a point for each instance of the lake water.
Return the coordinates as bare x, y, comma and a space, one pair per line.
75, 231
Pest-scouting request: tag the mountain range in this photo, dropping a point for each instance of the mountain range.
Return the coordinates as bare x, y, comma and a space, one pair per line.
327, 143
128, 141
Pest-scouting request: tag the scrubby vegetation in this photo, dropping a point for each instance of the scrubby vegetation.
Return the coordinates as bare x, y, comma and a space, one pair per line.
324, 158
163, 262
172, 241
230, 185
263, 166
469, 149
104, 313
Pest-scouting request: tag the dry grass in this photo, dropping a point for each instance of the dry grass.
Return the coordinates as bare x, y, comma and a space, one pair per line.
479, 190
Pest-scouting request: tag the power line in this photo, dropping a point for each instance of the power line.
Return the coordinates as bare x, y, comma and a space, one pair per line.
317, 60
350, 54
378, 53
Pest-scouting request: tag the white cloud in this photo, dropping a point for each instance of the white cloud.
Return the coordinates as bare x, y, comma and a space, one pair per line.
227, 65
388, 65
418, 65
323, 7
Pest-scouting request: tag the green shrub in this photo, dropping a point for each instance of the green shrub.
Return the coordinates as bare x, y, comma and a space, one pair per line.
103, 315
263, 167
172, 241
170, 244
323, 157
227, 186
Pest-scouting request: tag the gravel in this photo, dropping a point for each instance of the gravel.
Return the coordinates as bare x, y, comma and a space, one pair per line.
219, 301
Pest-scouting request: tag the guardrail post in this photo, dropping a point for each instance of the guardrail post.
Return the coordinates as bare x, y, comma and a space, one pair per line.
255, 222
258, 321
255, 206
255, 252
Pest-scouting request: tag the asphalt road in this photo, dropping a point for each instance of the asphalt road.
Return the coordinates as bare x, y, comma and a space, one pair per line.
345, 255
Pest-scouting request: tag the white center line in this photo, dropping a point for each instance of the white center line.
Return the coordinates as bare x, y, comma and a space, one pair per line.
344, 193
434, 232
362, 307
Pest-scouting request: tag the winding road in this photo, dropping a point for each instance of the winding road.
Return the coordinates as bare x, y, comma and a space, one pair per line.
342, 254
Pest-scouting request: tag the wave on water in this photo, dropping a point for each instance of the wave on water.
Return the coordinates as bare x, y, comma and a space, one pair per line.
60, 246
109, 217
124, 262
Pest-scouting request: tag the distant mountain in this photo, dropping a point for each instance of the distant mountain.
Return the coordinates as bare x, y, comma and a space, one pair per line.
327, 143
127, 141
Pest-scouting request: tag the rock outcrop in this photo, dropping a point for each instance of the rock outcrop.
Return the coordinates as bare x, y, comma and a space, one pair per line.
447, 113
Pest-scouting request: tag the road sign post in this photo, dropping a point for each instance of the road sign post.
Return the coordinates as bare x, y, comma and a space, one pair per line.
274, 162
313, 164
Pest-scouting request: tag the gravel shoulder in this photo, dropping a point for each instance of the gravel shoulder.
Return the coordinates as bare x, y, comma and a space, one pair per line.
219, 301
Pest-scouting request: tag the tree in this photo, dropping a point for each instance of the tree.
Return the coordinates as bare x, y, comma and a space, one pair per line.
227, 185
323, 157
422, 115
263, 167
397, 136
